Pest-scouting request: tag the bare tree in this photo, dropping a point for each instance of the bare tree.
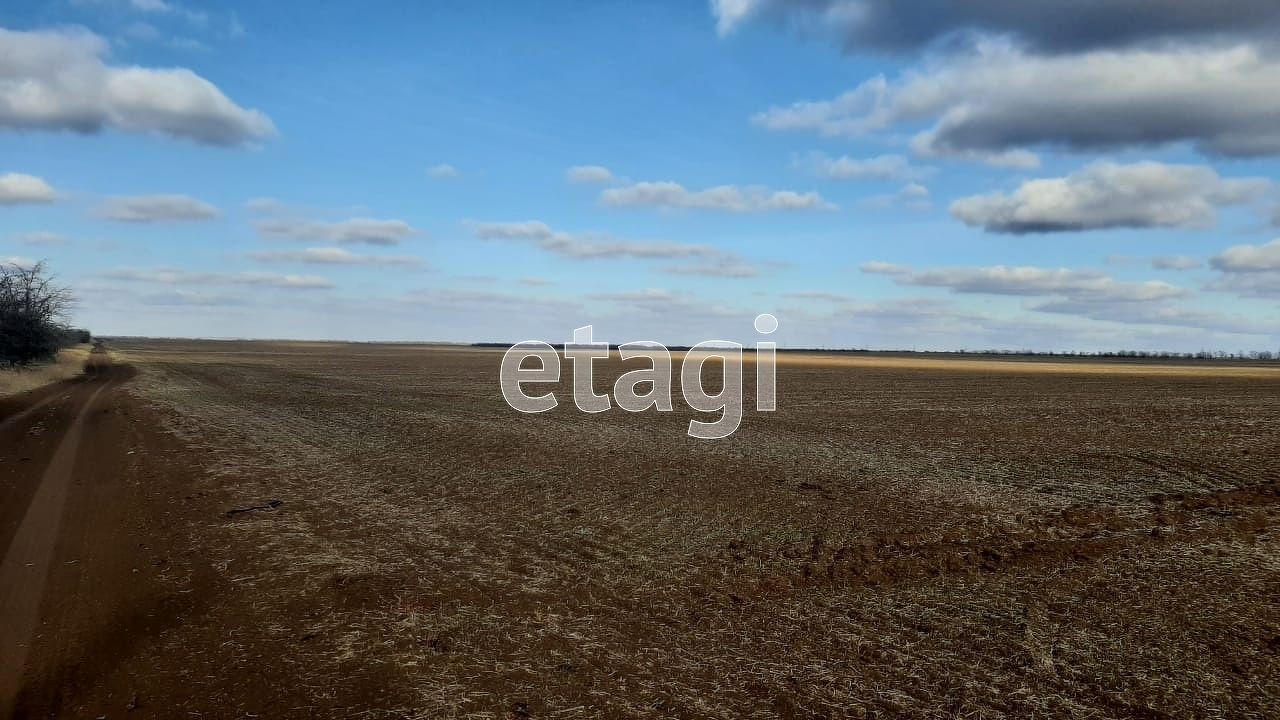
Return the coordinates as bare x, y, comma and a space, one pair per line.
32, 309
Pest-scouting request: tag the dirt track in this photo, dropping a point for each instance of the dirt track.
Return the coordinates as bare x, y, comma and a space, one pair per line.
75, 527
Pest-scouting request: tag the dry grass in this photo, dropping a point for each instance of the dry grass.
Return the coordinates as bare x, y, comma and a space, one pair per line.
899, 540
69, 364
1080, 366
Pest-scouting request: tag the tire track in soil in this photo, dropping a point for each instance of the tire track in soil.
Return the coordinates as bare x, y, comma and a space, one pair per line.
25, 567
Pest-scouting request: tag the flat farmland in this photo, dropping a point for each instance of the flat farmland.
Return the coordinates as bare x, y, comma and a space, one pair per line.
903, 538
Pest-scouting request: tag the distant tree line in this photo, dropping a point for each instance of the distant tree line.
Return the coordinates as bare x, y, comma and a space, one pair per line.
1146, 354
32, 310
1141, 354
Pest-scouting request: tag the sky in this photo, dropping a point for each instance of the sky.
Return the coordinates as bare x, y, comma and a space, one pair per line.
1055, 175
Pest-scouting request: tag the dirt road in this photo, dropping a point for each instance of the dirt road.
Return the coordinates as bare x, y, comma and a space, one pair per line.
26, 563
70, 527
109, 604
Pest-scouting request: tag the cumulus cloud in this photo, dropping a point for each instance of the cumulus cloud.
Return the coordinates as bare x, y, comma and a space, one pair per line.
174, 276
443, 170
1076, 284
994, 103
1259, 285
369, 231
912, 196
330, 256
16, 188
723, 197
1046, 25
1108, 195
59, 80
589, 174
155, 208
1248, 258
1251, 271
883, 167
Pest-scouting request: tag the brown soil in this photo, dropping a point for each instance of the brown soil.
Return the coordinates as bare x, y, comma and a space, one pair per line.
896, 541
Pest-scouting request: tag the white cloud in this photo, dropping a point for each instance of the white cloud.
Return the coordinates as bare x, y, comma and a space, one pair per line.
16, 188
1030, 281
701, 259
58, 80
155, 208
730, 13
1175, 262
724, 197
356, 230
1081, 293
1108, 195
914, 190
589, 174
1156, 314
588, 246
330, 256
443, 170
883, 167
1260, 285
174, 276
1249, 258
41, 237
19, 260
997, 101
879, 267
818, 295
725, 267
852, 113
912, 196
1251, 271
666, 304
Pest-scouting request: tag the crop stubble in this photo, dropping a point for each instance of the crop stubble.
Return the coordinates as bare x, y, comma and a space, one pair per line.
898, 539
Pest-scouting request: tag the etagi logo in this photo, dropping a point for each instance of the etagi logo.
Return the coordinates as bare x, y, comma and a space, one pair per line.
657, 376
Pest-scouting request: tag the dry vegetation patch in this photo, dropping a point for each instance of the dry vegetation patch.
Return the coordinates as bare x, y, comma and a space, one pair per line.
69, 364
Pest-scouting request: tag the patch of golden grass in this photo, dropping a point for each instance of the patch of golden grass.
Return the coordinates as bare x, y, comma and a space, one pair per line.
195, 351
1025, 365
70, 363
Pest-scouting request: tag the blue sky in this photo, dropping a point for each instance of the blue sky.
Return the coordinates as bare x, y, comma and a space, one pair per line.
406, 171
